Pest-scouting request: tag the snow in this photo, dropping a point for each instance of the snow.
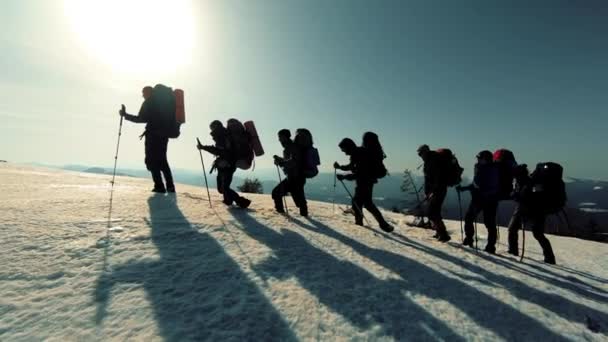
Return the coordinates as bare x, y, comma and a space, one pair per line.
168, 267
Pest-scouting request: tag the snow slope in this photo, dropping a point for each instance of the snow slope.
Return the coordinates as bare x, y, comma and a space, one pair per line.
174, 269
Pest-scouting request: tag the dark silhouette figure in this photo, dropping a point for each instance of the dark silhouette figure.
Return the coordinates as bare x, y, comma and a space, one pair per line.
197, 291
152, 114
362, 172
435, 189
292, 163
484, 198
528, 211
225, 163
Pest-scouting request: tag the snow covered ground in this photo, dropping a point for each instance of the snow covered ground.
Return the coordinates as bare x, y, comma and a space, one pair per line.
171, 268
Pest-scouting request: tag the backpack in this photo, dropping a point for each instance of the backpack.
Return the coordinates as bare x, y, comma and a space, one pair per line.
163, 107
377, 167
311, 162
240, 144
506, 164
375, 155
310, 167
548, 188
450, 169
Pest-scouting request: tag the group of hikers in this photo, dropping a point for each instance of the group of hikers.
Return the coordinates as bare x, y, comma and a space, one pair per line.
497, 176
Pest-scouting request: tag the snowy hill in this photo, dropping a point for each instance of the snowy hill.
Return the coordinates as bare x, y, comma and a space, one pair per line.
171, 268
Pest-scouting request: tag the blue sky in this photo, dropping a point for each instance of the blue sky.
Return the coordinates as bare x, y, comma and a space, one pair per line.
531, 76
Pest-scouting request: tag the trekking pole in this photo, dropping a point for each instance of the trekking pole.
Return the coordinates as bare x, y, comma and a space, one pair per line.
107, 240
204, 173
114, 172
460, 211
523, 242
355, 203
475, 227
333, 198
283, 197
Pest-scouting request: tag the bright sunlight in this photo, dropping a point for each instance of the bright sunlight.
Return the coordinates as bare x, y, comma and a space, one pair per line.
136, 36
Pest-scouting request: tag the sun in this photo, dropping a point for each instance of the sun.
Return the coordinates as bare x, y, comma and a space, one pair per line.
136, 36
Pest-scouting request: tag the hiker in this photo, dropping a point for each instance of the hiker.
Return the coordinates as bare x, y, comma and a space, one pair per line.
531, 208
364, 174
484, 198
435, 189
292, 164
158, 105
226, 153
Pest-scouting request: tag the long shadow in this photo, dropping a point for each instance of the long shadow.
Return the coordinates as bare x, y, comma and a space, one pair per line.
579, 273
555, 279
561, 306
196, 290
345, 288
485, 310
580, 288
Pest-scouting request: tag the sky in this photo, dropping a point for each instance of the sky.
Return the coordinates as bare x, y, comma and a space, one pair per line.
531, 76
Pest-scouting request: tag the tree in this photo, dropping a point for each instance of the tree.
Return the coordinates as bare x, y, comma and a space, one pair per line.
251, 186
411, 189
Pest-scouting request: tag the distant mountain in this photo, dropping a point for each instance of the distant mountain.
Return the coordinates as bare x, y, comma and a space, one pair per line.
587, 199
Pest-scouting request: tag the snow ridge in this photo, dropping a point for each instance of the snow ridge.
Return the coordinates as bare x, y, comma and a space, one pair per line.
175, 269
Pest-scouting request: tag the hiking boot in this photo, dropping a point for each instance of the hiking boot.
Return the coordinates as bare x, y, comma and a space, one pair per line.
490, 249
468, 241
171, 189
159, 190
444, 238
436, 236
279, 210
550, 260
386, 227
243, 203
513, 251
304, 212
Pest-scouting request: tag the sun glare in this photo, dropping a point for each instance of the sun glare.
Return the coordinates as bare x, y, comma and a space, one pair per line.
135, 35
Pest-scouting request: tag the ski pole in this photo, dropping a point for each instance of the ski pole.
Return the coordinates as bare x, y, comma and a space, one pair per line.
523, 242
460, 211
283, 196
204, 173
354, 203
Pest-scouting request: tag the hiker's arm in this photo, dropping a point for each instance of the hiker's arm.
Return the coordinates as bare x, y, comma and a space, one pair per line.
133, 118
212, 149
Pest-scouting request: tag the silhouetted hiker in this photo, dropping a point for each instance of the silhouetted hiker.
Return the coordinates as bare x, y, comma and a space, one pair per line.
365, 176
158, 112
292, 164
435, 189
484, 198
225, 163
530, 209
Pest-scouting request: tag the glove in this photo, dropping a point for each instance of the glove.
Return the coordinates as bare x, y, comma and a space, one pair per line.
336, 165
277, 160
199, 146
341, 177
122, 110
